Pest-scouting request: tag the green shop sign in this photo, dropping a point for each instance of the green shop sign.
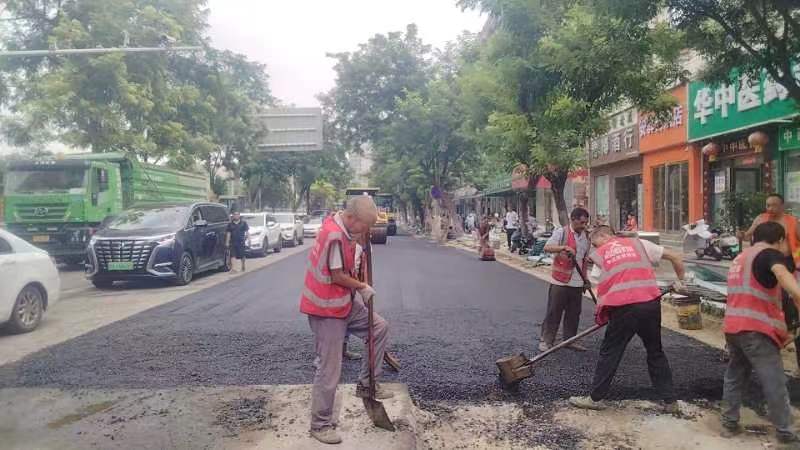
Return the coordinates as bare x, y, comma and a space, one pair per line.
744, 103
789, 137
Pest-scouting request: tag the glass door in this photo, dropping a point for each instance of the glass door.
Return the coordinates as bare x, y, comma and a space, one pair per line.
659, 197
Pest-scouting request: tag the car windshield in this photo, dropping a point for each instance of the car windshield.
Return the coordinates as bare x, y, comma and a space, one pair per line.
254, 221
170, 217
284, 218
72, 180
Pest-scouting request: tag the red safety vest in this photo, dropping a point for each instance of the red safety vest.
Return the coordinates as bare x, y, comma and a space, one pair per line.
321, 297
627, 278
751, 306
563, 266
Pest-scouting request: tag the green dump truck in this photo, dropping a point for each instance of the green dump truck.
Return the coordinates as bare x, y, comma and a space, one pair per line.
58, 203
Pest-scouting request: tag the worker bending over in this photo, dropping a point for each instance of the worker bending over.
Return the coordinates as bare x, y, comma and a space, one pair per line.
629, 303
755, 328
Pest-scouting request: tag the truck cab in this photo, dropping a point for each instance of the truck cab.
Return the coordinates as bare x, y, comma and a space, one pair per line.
56, 204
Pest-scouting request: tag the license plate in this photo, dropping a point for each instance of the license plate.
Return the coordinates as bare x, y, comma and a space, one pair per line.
120, 265
41, 238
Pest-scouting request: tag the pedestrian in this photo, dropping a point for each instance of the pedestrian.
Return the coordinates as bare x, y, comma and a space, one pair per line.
629, 302
565, 295
334, 310
631, 224
236, 236
485, 250
755, 330
775, 211
511, 225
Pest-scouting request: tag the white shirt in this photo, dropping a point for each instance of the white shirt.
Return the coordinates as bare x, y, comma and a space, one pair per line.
511, 219
335, 256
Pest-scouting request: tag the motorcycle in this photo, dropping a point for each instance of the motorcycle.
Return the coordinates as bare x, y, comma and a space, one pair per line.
520, 243
711, 242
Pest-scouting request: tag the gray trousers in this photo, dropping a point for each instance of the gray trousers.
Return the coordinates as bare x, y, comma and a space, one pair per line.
753, 351
562, 301
329, 334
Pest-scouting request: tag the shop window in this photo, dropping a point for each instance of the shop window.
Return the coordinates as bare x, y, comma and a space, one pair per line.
791, 181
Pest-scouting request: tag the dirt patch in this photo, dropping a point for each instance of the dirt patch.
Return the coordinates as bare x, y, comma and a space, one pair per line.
242, 415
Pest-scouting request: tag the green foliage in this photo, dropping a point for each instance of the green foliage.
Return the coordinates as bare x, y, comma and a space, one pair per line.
741, 208
750, 35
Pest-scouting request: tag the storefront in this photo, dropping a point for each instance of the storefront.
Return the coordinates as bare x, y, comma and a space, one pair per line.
789, 154
737, 127
670, 170
615, 169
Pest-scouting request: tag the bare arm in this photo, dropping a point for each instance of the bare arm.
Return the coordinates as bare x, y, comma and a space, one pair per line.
677, 262
787, 282
340, 277
748, 235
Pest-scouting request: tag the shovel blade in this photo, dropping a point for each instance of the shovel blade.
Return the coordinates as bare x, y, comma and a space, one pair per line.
377, 413
392, 361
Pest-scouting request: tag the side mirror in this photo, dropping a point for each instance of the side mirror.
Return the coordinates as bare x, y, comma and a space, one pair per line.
200, 223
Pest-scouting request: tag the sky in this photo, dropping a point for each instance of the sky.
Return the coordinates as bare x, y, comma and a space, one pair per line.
292, 36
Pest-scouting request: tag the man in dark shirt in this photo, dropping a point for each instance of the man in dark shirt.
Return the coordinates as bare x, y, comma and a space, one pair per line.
236, 236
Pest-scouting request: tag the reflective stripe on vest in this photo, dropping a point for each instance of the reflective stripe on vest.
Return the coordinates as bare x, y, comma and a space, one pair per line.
627, 275
320, 296
750, 305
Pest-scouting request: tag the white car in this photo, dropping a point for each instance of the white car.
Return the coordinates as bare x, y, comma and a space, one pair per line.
311, 226
264, 233
291, 228
29, 283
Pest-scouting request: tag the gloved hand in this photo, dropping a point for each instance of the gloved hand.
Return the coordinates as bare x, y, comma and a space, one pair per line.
678, 286
367, 293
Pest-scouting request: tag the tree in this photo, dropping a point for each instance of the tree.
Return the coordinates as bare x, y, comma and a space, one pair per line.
744, 34
550, 71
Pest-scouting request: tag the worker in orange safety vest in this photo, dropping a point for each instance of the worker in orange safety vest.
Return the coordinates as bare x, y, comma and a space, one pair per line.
755, 328
334, 310
629, 303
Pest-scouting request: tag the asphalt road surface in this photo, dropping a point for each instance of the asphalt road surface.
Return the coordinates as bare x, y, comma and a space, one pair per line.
451, 316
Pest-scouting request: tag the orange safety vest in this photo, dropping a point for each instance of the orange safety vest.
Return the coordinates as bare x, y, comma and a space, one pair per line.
627, 276
321, 297
562, 266
790, 227
751, 306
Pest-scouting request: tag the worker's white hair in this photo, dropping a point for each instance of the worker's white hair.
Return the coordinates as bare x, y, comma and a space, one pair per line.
362, 207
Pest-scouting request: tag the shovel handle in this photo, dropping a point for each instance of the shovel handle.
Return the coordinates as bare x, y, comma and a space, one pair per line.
569, 341
583, 276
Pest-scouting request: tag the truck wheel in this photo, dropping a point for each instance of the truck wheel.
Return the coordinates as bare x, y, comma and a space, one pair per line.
28, 310
185, 270
379, 236
103, 284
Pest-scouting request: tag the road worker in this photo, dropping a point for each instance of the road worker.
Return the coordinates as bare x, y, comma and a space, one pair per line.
755, 328
334, 310
629, 303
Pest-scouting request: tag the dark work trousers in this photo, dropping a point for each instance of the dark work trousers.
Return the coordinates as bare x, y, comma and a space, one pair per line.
644, 320
562, 301
509, 233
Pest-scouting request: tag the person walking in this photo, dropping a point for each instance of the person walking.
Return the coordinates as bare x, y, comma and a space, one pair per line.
629, 302
235, 238
755, 330
565, 296
329, 300
511, 225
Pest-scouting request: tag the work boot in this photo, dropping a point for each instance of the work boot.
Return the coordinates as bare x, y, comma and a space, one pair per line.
380, 393
587, 403
326, 435
544, 346
577, 347
730, 430
352, 356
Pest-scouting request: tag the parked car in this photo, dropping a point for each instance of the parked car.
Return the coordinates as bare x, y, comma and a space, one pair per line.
29, 283
264, 234
311, 226
291, 228
167, 242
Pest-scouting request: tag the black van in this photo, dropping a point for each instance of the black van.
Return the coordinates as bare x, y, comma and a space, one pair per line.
163, 241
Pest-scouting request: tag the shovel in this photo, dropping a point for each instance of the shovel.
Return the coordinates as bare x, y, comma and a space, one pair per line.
514, 369
389, 358
375, 410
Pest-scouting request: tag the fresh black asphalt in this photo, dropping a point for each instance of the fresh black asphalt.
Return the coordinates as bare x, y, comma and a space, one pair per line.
451, 316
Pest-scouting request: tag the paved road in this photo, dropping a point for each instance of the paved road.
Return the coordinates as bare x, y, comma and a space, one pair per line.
451, 317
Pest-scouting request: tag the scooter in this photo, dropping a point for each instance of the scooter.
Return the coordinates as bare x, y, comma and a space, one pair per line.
716, 244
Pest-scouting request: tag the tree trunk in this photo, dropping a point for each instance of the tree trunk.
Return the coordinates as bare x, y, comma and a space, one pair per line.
523, 213
558, 183
308, 201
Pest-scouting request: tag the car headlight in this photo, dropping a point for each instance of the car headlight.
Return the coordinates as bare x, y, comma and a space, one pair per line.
256, 234
166, 239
